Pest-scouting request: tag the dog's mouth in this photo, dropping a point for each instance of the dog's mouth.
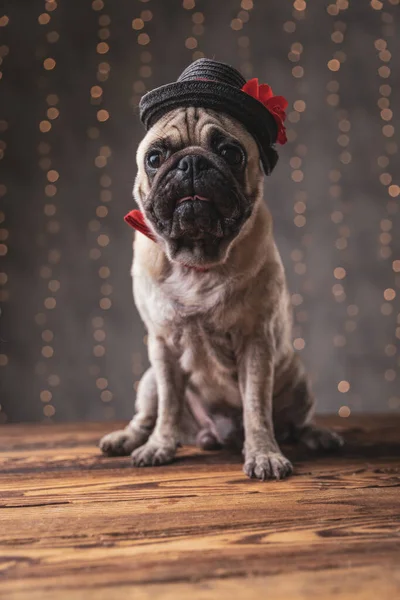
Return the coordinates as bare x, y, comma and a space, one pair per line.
191, 198
196, 217
199, 220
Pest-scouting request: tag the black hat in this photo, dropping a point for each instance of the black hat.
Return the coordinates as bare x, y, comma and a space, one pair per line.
210, 84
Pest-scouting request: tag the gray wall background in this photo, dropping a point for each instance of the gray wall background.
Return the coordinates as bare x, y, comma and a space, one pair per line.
72, 344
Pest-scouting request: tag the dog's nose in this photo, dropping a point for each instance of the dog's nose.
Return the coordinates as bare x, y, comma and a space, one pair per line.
192, 165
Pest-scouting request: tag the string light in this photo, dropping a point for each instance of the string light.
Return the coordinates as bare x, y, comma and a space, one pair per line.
52, 226
386, 178
96, 226
297, 111
343, 386
191, 41
145, 71
344, 411
240, 24
341, 209
4, 233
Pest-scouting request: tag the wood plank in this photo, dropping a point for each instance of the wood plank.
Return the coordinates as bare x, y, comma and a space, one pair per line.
75, 524
344, 584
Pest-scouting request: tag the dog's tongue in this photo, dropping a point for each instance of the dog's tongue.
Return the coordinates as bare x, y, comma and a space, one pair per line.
136, 220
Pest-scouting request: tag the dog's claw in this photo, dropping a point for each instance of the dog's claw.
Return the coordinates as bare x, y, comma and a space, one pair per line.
249, 471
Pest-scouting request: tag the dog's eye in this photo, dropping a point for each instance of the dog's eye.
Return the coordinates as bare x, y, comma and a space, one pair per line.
155, 159
232, 154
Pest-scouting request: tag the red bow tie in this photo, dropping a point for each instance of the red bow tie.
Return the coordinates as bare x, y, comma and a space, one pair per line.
136, 220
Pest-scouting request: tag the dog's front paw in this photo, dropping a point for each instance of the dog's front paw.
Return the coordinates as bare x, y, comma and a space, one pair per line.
320, 439
267, 465
121, 442
153, 454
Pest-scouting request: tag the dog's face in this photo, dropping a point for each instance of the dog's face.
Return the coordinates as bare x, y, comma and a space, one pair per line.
199, 179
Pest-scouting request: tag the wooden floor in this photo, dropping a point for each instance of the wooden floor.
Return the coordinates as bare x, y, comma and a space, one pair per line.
77, 525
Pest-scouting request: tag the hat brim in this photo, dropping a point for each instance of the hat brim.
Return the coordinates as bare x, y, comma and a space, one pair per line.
216, 96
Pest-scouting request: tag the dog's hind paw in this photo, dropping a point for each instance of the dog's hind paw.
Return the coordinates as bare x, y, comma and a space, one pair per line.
319, 439
121, 442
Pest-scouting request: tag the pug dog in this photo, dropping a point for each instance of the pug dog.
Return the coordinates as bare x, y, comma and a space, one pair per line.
209, 284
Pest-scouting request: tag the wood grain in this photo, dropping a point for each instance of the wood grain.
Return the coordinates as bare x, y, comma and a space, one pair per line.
75, 524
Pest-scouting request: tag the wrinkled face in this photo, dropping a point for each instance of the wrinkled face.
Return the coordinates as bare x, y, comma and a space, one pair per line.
199, 177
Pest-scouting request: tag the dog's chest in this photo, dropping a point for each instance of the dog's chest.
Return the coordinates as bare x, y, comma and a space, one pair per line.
202, 348
196, 324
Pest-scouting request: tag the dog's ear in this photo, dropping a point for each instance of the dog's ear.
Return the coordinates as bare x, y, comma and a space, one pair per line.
269, 158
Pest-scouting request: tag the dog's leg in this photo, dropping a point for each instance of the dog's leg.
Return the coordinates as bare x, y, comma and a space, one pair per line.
136, 433
263, 458
304, 430
161, 446
294, 407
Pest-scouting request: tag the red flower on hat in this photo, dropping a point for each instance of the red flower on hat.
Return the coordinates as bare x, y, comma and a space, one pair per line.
275, 104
